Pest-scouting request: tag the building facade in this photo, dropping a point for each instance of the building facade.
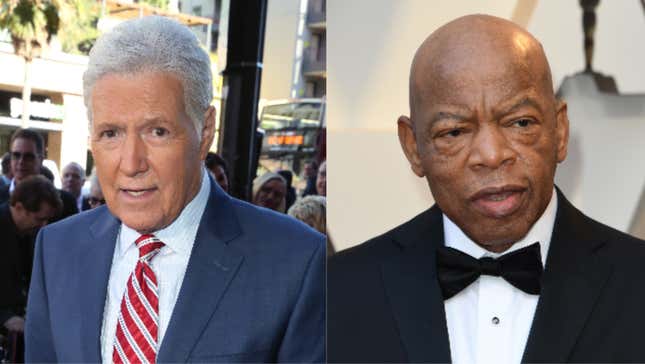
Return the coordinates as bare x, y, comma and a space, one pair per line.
295, 50
57, 111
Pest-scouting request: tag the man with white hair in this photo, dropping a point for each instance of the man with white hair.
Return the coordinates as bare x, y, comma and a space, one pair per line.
172, 269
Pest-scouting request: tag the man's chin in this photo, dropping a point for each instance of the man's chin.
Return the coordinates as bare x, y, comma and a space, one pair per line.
142, 222
498, 238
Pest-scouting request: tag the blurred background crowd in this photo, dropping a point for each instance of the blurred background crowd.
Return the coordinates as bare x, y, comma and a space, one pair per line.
268, 63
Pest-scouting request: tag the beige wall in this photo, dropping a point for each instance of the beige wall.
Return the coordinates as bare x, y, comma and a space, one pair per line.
371, 44
75, 132
59, 75
279, 48
603, 174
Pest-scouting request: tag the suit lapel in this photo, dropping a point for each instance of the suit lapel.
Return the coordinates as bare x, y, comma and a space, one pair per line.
93, 275
413, 290
575, 273
212, 266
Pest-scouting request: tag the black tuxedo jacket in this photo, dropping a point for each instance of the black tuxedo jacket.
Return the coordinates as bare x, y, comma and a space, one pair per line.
385, 305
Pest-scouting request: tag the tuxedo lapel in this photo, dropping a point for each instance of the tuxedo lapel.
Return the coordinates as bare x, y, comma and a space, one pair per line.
93, 274
413, 290
575, 273
211, 268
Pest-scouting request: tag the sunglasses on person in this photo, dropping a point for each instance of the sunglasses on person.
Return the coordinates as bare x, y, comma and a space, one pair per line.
27, 157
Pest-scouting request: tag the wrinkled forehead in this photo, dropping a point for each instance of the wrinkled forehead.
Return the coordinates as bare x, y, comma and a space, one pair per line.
158, 94
465, 67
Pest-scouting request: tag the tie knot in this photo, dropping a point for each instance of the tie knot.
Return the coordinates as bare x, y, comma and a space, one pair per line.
490, 266
148, 246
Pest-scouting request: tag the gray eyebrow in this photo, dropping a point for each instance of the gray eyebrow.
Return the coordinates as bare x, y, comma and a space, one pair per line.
446, 115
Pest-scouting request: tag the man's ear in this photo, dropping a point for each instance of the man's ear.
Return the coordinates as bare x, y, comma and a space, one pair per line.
207, 132
561, 130
409, 144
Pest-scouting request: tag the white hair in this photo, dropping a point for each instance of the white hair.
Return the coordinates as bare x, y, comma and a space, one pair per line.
78, 167
154, 43
312, 210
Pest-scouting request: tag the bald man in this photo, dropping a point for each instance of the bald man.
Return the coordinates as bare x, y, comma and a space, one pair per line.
502, 268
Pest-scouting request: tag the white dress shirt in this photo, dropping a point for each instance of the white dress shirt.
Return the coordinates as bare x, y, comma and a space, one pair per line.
169, 266
489, 321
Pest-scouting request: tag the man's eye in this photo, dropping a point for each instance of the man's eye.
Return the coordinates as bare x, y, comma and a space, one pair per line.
159, 132
523, 123
453, 133
108, 133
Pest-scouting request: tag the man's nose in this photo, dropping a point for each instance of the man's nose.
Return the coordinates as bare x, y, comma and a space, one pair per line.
133, 155
491, 148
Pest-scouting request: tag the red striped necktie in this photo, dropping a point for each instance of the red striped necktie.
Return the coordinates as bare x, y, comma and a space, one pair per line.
136, 331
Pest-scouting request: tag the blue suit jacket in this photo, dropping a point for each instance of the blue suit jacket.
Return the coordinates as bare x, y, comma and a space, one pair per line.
254, 289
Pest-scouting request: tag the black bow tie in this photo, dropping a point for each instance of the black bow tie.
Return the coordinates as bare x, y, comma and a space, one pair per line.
521, 268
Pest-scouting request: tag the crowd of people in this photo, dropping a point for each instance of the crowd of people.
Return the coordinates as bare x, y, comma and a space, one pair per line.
275, 191
29, 200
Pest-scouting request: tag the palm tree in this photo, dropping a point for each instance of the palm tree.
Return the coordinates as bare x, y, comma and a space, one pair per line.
31, 24
78, 34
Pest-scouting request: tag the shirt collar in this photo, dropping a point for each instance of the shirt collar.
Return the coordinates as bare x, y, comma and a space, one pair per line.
541, 232
12, 186
179, 236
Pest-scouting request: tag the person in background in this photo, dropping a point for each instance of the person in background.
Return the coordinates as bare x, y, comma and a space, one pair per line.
291, 192
95, 198
73, 180
27, 153
312, 210
34, 202
218, 167
321, 179
310, 171
270, 191
5, 178
47, 173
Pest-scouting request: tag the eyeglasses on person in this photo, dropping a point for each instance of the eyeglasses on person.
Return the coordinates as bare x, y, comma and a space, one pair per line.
27, 156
